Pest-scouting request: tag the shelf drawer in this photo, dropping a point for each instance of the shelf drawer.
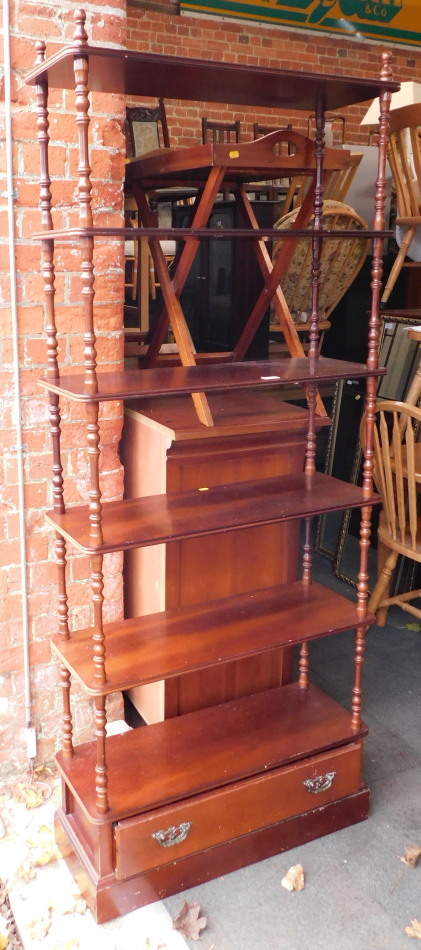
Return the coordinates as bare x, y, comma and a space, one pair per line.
160, 837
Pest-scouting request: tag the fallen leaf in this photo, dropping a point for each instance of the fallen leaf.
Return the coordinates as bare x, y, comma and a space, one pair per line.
412, 853
46, 848
43, 771
4, 940
71, 944
25, 872
32, 795
38, 928
188, 921
415, 930
416, 627
69, 903
294, 878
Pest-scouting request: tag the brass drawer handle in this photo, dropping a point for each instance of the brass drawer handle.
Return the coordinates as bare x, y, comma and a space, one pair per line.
173, 835
319, 784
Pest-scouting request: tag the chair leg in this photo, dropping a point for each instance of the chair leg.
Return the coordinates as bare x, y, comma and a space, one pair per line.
380, 587
382, 555
394, 273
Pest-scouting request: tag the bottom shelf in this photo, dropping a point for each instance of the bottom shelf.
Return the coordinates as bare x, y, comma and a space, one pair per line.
166, 762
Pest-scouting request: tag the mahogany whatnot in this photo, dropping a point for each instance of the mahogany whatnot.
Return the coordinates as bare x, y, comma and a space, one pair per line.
248, 737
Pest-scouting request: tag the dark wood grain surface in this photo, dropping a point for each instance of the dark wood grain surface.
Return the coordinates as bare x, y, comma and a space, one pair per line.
150, 767
151, 74
135, 522
167, 381
145, 649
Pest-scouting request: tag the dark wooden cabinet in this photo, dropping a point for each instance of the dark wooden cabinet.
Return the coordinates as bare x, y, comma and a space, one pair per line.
239, 762
224, 280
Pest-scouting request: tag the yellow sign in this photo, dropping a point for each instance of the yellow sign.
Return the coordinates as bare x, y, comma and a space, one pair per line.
392, 21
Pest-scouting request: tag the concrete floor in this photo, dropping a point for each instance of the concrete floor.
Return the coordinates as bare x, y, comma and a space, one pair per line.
358, 895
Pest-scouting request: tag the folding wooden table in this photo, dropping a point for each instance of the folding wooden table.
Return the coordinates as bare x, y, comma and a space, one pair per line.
208, 168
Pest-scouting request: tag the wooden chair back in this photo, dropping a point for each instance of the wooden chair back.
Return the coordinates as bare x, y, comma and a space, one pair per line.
340, 262
146, 129
220, 131
395, 474
404, 154
259, 130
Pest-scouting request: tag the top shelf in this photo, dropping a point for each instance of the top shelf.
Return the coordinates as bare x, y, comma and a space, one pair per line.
137, 73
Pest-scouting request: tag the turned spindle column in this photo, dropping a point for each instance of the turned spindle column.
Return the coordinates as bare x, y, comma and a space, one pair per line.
48, 273
81, 71
370, 400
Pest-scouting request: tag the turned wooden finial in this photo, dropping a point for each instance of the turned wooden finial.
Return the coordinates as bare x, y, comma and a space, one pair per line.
80, 35
386, 70
40, 48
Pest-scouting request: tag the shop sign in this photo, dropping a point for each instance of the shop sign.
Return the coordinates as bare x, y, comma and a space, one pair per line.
389, 21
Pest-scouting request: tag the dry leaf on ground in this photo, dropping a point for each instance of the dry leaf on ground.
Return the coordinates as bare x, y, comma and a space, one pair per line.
414, 930
32, 794
69, 903
45, 847
13, 941
71, 944
188, 921
43, 771
25, 872
39, 927
412, 853
294, 878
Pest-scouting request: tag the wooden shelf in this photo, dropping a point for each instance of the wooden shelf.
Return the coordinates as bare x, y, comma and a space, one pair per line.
158, 646
149, 767
138, 73
225, 234
180, 380
138, 522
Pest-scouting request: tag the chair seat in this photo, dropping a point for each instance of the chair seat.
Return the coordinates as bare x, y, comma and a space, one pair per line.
402, 547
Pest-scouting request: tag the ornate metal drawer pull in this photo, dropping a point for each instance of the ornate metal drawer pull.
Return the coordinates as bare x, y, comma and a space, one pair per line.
319, 784
173, 835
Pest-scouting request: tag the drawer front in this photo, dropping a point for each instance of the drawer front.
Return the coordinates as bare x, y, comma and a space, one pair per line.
160, 837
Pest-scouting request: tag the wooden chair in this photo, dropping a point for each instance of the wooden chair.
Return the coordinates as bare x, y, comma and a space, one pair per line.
270, 190
146, 129
341, 260
220, 131
397, 477
404, 155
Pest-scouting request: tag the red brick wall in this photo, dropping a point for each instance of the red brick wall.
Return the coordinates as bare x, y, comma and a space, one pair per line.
54, 23
263, 45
